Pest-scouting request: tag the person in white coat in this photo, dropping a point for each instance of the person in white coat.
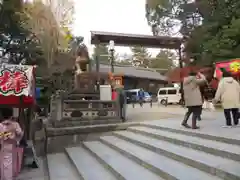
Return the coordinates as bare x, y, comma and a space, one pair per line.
228, 93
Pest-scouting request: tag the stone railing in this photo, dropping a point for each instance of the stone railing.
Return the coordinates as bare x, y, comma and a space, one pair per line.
90, 110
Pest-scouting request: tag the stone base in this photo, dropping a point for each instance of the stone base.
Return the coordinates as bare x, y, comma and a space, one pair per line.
86, 96
78, 122
86, 82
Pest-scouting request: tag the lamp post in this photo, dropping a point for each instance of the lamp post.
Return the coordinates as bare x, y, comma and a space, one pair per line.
111, 55
191, 60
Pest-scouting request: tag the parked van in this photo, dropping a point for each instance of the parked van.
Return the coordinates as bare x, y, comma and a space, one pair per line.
133, 96
169, 95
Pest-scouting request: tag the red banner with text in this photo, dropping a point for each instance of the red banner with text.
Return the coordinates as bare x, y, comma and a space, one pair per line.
16, 80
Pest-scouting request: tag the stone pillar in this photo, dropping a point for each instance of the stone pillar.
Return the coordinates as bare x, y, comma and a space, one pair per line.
56, 107
52, 108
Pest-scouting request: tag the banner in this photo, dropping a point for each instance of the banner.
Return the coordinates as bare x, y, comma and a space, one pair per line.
16, 80
232, 66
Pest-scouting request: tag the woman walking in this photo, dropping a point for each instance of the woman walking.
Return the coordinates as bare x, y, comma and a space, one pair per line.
228, 92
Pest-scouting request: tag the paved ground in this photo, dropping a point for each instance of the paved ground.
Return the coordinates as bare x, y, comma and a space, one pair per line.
172, 115
208, 126
146, 113
161, 112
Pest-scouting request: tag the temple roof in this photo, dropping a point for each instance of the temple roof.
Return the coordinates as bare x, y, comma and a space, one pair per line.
121, 39
133, 72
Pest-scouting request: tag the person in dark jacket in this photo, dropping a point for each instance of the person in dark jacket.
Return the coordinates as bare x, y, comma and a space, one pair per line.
141, 96
122, 99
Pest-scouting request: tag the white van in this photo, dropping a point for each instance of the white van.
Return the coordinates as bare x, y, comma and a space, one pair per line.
169, 95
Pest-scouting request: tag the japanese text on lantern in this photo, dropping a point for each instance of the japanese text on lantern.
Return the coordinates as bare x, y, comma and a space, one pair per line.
235, 67
13, 81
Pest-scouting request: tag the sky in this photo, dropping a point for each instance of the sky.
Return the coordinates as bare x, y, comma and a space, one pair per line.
121, 16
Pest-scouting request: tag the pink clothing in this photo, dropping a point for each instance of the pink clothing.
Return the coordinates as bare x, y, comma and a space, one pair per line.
114, 95
8, 146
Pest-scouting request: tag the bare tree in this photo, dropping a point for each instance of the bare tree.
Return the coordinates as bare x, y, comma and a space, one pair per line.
63, 11
45, 21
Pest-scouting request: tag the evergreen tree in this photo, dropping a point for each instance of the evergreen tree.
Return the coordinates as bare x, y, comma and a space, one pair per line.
163, 61
17, 44
102, 52
211, 29
141, 56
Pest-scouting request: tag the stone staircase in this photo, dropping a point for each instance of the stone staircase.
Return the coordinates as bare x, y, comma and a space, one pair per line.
149, 152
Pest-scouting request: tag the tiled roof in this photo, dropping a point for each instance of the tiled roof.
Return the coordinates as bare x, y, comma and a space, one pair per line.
133, 72
121, 39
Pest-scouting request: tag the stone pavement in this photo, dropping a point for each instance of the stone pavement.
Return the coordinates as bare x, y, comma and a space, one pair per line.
161, 112
147, 113
35, 174
209, 126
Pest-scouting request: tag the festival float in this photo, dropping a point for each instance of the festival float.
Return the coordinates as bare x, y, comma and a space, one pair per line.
17, 90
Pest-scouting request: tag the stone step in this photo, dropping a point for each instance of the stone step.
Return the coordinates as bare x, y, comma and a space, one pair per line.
89, 89
79, 122
87, 101
52, 131
206, 135
91, 118
217, 148
163, 166
85, 91
60, 167
80, 96
87, 165
76, 104
89, 109
211, 164
147, 150
122, 167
